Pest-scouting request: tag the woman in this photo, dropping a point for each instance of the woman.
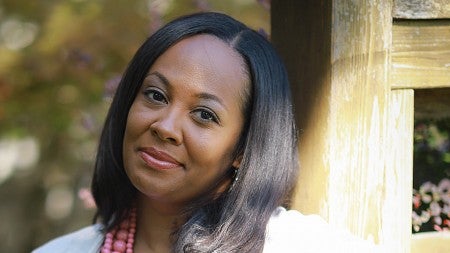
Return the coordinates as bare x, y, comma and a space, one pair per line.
198, 152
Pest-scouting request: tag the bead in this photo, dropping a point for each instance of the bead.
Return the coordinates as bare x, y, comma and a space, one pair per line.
122, 235
119, 245
124, 224
121, 238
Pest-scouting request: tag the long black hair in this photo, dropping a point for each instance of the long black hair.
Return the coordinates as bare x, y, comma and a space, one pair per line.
235, 221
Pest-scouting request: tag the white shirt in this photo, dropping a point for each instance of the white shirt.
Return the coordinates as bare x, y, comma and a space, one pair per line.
290, 231
287, 231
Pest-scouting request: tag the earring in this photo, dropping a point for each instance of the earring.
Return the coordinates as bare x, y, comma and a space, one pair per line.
234, 177
235, 174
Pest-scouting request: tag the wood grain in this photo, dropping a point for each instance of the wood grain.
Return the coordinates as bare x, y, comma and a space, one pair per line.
398, 174
421, 54
357, 115
431, 242
301, 32
337, 53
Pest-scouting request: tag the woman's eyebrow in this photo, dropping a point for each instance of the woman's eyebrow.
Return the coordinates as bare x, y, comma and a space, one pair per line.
201, 95
160, 77
209, 96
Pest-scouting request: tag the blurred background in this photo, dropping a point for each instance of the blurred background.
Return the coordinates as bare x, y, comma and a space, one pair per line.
60, 62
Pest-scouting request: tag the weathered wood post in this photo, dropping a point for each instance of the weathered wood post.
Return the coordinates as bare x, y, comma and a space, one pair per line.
354, 147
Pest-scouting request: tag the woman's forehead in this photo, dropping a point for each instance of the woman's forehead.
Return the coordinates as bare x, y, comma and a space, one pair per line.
203, 61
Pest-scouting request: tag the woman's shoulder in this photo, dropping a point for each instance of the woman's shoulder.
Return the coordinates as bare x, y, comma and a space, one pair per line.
291, 231
85, 240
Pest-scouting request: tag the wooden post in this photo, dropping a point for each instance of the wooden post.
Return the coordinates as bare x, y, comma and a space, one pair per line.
397, 202
338, 58
301, 31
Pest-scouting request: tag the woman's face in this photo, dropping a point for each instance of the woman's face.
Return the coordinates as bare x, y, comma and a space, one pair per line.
185, 121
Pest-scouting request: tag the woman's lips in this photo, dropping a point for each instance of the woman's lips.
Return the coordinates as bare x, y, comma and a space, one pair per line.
157, 159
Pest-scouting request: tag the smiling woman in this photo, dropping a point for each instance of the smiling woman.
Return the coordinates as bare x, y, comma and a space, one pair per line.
185, 122
198, 152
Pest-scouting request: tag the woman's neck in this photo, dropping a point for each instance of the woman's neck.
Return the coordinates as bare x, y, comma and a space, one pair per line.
155, 225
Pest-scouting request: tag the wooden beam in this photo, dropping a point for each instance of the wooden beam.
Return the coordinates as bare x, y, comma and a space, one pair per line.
430, 242
359, 98
421, 54
398, 175
421, 9
301, 31
337, 53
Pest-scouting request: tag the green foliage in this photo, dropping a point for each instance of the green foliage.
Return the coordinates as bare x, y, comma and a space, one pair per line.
431, 151
431, 198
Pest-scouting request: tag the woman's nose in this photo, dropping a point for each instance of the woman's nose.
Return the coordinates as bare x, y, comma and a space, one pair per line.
168, 128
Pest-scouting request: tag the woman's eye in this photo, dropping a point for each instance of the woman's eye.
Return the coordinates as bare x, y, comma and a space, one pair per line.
205, 116
155, 96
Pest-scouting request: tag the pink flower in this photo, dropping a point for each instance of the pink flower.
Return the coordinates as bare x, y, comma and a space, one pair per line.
435, 208
446, 222
444, 185
437, 228
425, 216
417, 201
437, 220
427, 187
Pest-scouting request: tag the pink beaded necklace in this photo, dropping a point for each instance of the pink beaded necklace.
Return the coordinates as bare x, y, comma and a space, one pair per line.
121, 239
